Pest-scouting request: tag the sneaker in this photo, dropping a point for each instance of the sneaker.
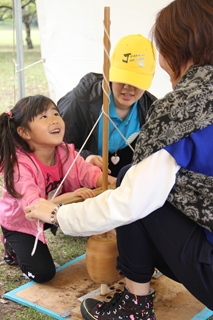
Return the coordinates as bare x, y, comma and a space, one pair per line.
124, 305
9, 254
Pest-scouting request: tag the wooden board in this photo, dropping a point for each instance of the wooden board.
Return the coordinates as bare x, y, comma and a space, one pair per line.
72, 281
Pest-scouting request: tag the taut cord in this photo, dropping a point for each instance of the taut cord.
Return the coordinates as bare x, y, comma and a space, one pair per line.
39, 228
106, 91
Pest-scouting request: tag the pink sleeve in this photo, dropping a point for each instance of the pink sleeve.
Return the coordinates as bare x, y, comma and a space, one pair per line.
82, 173
28, 185
88, 174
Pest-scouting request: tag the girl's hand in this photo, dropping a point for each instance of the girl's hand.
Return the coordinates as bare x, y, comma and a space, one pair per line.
40, 210
81, 192
111, 180
96, 161
84, 193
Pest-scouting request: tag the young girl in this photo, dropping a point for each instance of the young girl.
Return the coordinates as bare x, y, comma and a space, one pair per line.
34, 159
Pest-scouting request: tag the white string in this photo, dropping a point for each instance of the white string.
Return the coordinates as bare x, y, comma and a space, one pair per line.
104, 76
30, 65
77, 155
39, 228
127, 142
72, 164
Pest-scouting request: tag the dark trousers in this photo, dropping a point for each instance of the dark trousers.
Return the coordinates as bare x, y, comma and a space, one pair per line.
39, 267
171, 242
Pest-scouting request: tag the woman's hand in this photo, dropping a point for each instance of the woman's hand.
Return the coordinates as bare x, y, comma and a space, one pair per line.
96, 161
40, 210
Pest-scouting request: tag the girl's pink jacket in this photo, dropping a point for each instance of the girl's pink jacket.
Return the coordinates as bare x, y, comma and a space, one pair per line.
31, 185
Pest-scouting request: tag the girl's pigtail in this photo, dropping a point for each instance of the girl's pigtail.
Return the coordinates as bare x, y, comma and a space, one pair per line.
8, 157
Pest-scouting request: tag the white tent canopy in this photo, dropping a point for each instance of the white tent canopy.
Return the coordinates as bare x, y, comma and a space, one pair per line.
72, 33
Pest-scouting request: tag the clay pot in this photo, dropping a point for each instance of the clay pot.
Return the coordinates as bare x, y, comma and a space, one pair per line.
101, 254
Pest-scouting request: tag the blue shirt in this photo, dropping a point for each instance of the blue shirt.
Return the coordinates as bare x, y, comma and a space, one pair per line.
128, 126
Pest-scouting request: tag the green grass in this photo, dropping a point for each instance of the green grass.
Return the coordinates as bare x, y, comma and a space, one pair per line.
29, 314
34, 77
63, 248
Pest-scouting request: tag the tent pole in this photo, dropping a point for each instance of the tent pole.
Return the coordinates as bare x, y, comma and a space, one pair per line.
19, 48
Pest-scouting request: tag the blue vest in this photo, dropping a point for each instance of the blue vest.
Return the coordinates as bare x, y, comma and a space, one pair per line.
195, 153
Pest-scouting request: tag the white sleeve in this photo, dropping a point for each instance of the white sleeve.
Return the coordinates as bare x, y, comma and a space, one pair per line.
144, 188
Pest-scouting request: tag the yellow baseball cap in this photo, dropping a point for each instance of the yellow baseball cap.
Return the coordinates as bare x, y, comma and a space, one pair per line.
133, 61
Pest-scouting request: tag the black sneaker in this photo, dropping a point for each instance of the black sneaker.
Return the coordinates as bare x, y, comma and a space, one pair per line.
123, 306
9, 254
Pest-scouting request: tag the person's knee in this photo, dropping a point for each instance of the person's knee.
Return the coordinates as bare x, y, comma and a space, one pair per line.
45, 275
42, 273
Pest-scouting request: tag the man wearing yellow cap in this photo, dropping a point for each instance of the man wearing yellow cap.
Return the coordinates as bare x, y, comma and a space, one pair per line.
131, 72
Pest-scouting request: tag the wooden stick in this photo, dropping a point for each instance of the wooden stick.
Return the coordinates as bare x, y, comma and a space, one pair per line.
106, 92
103, 289
97, 191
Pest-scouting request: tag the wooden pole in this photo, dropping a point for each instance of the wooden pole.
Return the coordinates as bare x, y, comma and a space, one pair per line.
104, 244
106, 92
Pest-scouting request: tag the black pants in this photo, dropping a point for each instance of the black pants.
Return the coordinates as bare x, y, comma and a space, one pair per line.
39, 267
174, 244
